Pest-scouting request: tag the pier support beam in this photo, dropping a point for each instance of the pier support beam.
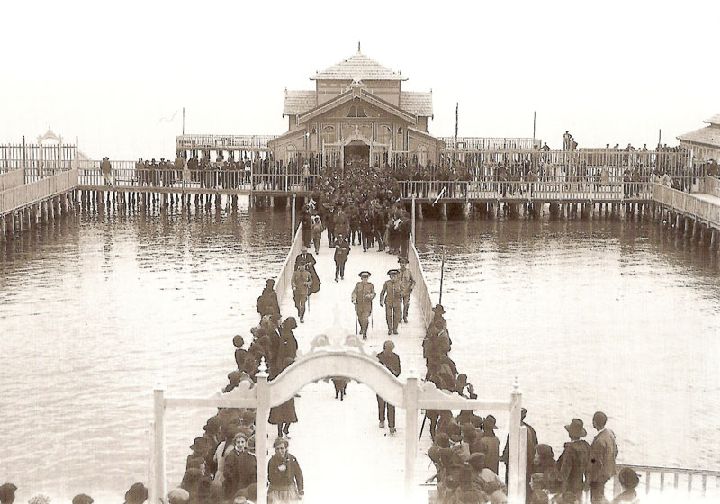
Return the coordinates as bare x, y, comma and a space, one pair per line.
466, 210
696, 229
714, 239
443, 211
419, 210
2, 228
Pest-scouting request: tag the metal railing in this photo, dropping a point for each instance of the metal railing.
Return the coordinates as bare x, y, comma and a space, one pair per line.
21, 196
687, 203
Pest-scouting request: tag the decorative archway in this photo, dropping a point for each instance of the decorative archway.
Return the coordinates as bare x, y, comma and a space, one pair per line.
325, 360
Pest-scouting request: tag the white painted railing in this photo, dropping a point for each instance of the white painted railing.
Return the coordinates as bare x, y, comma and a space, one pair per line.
11, 179
284, 278
710, 185
425, 305
691, 482
21, 196
687, 203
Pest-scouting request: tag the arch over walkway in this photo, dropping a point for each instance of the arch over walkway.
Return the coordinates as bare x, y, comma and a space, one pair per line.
349, 360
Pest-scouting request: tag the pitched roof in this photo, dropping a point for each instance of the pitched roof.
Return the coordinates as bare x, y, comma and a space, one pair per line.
714, 119
362, 94
419, 104
297, 102
358, 67
709, 135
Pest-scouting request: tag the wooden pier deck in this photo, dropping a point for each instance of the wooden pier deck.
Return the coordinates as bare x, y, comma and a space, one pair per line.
341, 441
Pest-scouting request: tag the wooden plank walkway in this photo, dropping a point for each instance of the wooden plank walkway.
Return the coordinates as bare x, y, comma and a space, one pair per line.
344, 454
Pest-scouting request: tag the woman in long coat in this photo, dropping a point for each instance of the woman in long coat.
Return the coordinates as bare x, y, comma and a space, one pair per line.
284, 415
285, 477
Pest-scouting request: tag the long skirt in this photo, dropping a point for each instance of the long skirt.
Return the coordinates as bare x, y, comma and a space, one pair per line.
283, 495
285, 413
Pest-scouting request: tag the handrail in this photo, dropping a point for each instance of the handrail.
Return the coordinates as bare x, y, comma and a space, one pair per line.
648, 472
12, 178
284, 278
687, 203
421, 287
18, 197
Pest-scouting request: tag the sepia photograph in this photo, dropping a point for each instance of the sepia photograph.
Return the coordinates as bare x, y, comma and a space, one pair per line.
205, 207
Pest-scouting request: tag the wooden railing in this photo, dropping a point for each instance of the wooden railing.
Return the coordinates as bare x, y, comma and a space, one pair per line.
37, 159
284, 278
527, 191
687, 203
251, 142
27, 194
710, 185
421, 287
656, 478
11, 179
487, 143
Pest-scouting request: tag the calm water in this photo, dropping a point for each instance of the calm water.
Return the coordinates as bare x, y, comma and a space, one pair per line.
95, 311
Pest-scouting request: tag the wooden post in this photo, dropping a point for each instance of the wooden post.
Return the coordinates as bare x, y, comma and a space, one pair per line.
516, 480
411, 433
159, 485
261, 421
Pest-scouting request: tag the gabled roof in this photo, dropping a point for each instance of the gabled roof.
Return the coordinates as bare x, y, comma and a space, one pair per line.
358, 67
419, 104
298, 102
351, 94
709, 135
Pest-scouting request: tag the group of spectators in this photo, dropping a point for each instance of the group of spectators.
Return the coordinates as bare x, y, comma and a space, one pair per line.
136, 494
466, 451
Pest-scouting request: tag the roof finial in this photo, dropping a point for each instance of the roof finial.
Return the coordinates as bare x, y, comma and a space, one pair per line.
358, 47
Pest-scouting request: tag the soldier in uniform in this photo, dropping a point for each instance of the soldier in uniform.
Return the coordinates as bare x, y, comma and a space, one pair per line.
407, 283
390, 360
301, 282
391, 297
342, 249
309, 261
362, 297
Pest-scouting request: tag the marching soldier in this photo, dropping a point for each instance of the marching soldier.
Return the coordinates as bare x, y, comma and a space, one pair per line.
309, 261
391, 361
362, 297
391, 296
407, 283
342, 249
301, 282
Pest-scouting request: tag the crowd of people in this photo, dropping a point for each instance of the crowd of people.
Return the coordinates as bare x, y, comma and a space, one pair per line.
136, 494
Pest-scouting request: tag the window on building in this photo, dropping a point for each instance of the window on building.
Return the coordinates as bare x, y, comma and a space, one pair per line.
357, 111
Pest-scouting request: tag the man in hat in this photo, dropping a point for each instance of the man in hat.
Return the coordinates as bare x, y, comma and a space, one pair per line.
7, 493
267, 303
342, 249
391, 297
407, 283
391, 361
603, 453
308, 260
106, 169
137, 494
438, 313
301, 282
575, 459
240, 467
178, 496
489, 444
362, 297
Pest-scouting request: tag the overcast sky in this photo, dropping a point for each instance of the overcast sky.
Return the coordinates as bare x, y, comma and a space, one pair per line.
115, 75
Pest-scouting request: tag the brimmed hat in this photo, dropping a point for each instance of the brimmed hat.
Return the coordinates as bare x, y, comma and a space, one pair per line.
402, 260
489, 423
200, 443
439, 309
477, 461
178, 496
393, 271
82, 499
137, 494
364, 273
280, 442
290, 322
628, 478
576, 429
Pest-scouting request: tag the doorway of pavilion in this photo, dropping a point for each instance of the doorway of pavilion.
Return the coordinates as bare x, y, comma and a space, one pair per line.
357, 154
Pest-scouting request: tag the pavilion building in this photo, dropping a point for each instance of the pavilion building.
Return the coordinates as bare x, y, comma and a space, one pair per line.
357, 113
704, 142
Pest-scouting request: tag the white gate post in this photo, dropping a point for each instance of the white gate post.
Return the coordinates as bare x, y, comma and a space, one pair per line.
159, 487
514, 476
261, 418
411, 434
